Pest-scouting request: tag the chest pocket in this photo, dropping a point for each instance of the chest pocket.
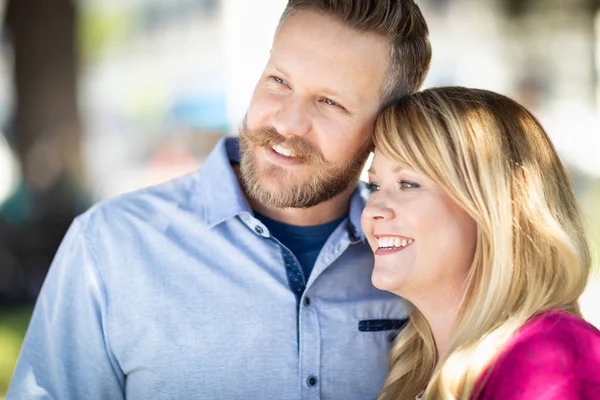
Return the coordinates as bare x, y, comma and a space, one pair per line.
378, 325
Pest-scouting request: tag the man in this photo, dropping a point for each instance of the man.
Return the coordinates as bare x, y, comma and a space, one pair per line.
247, 281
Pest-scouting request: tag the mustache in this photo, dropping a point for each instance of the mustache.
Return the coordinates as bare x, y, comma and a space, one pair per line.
268, 136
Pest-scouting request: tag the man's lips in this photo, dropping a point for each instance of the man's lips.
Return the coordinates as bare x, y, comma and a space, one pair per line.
283, 150
280, 159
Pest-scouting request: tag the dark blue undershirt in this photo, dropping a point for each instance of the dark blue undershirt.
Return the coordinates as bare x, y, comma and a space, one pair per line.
304, 241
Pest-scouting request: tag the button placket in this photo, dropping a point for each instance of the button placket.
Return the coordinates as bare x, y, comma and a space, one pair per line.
306, 301
312, 381
310, 348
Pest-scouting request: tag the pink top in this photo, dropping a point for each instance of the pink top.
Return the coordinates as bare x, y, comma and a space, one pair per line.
555, 356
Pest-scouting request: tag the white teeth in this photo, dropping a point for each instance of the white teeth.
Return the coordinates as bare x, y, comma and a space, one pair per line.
282, 150
392, 242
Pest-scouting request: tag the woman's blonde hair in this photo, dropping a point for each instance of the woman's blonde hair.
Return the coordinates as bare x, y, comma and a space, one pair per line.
494, 159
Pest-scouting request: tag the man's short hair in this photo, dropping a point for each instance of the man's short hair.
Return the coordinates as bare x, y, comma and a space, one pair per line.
400, 21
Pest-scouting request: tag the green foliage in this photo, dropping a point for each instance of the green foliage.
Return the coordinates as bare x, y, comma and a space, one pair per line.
102, 31
13, 324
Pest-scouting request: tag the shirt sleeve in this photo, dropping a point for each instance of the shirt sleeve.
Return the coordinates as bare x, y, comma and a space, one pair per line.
539, 368
65, 354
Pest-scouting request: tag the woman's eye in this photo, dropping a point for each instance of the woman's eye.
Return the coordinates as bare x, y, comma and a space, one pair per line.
372, 187
408, 185
330, 102
278, 80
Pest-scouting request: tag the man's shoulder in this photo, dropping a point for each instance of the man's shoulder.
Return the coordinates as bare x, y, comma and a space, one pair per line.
150, 206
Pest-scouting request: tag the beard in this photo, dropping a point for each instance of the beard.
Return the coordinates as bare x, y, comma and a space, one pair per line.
289, 188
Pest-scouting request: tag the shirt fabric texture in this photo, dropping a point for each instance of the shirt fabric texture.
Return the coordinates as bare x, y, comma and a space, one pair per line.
178, 292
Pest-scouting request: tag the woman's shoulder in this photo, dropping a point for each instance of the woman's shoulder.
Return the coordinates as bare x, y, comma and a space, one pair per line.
559, 328
554, 338
555, 355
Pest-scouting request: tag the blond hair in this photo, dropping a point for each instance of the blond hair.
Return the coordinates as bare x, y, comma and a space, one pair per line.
399, 21
494, 159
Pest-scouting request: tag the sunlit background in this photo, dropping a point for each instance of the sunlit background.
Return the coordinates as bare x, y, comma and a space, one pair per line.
101, 97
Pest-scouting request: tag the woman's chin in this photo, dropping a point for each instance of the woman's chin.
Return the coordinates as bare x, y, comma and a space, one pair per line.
383, 279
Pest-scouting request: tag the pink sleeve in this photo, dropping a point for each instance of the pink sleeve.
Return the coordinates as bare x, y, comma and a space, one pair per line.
545, 366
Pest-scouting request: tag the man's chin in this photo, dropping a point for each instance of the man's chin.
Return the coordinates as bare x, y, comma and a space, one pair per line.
276, 177
276, 186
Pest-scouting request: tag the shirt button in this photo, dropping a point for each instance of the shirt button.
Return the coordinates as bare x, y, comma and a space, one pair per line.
258, 229
311, 381
306, 301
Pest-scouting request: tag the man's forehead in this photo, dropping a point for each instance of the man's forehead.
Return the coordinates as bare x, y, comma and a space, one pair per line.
332, 55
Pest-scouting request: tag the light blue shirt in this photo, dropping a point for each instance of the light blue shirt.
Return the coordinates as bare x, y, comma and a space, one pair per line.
178, 292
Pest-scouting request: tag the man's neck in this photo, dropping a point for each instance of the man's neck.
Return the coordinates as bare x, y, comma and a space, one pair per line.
324, 212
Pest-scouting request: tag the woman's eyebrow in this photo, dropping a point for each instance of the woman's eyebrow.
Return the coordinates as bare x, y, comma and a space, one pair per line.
396, 169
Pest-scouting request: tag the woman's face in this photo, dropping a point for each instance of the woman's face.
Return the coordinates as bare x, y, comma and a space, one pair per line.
424, 243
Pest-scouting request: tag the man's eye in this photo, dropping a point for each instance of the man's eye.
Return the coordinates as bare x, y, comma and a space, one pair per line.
408, 185
372, 187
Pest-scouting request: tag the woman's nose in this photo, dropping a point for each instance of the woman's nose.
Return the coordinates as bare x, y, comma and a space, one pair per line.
378, 211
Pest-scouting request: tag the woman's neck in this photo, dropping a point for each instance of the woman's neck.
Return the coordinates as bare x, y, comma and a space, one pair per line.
442, 326
441, 314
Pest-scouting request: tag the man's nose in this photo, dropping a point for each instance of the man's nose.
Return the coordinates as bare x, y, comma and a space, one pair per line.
292, 118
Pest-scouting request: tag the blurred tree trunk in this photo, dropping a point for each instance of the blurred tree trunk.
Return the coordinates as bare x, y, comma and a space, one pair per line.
46, 135
46, 121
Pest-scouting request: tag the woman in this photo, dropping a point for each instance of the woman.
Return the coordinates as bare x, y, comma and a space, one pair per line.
473, 220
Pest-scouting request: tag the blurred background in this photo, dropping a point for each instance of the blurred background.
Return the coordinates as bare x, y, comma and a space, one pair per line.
101, 97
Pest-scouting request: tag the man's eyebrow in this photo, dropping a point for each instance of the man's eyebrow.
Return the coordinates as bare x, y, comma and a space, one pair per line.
324, 90
332, 93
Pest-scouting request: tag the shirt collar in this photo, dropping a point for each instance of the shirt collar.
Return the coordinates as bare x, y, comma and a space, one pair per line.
357, 204
219, 190
221, 195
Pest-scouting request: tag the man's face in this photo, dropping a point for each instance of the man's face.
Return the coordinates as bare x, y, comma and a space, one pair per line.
307, 132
